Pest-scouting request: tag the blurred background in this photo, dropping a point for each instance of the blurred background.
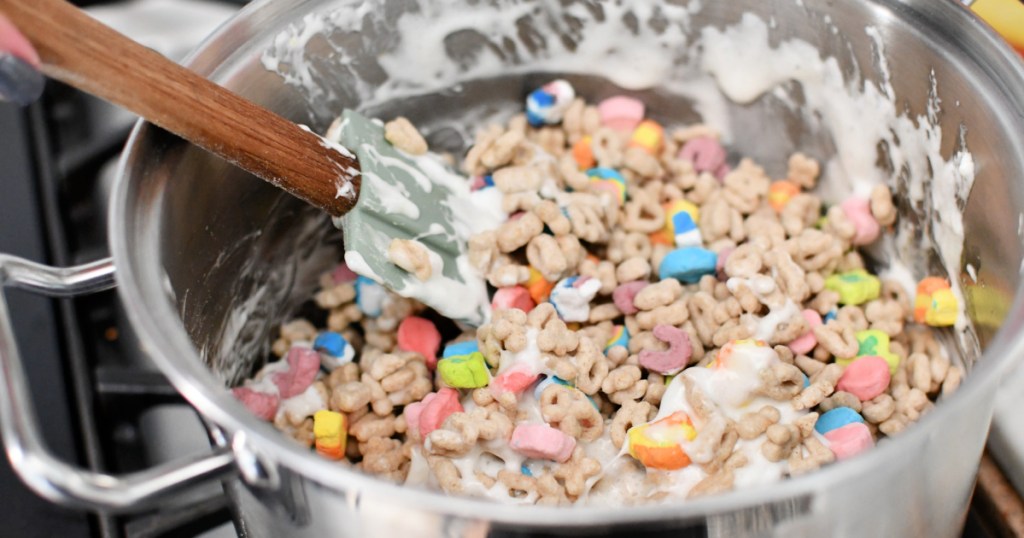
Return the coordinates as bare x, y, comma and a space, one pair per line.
104, 405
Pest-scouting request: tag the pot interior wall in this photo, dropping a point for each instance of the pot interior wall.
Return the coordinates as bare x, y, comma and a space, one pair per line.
240, 257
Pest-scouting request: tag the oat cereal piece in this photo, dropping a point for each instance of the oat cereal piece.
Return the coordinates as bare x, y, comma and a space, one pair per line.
350, 396
781, 381
656, 387
721, 481
502, 150
370, 426
753, 425
517, 233
552, 217
840, 399
577, 471
838, 339
570, 411
298, 330
817, 455
698, 400
781, 441
545, 255
411, 256
853, 317
335, 295
881, 205
506, 331
591, 367
402, 134
886, 315
803, 170
800, 213
447, 474
714, 443
823, 384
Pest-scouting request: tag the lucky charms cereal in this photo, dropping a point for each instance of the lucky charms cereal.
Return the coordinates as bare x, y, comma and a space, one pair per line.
667, 321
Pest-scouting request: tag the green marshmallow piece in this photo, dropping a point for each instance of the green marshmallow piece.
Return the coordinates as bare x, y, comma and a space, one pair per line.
873, 342
855, 287
465, 371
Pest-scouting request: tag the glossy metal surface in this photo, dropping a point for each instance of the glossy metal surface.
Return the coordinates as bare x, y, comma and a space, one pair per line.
47, 475
196, 242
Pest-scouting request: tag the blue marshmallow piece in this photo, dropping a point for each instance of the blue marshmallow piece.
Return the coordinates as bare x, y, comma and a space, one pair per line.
545, 105
334, 350
331, 343
460, 349
688, 264
836, 418
547, 382
369, 296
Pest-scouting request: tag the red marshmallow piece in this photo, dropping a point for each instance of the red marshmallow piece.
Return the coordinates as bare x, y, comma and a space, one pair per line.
513, 297
865, 377
303, 365
420, 335
621, 113
343, 274
849, 440
542, 442
428, 414
261, 404
515, 380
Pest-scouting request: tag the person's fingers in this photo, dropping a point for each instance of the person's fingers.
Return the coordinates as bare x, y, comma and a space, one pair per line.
20, 80
12, 41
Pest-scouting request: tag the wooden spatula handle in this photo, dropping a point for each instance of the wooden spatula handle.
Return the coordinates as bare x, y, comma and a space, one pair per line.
92, 57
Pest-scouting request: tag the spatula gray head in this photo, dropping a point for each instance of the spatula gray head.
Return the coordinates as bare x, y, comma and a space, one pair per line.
419, 199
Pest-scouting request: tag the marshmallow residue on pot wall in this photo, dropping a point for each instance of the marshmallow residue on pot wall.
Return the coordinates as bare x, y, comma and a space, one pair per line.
375, 53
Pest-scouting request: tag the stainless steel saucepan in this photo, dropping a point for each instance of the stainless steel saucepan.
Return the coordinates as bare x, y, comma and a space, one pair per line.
209, 261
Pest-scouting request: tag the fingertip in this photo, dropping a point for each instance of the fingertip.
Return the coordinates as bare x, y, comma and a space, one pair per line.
14, 42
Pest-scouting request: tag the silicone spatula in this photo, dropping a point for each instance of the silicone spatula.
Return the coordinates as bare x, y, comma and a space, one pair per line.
92, 57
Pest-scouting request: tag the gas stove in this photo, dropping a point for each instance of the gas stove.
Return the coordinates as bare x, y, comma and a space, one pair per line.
102, 403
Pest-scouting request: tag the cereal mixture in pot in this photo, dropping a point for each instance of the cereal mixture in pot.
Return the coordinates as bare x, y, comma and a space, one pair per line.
664, 325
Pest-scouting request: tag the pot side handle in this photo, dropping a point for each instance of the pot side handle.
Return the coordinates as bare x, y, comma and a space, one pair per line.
51, 478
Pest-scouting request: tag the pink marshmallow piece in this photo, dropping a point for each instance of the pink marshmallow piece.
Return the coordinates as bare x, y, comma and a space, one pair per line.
722, 171
412, 414
303, 365
513, 297
806, 342
672, 359
849, 440
865, 378
261, 404
343, 274
427, 415
623, 296
515, 380
858, 210
621, 113
542, 442
420, 335
723, 255
706, 154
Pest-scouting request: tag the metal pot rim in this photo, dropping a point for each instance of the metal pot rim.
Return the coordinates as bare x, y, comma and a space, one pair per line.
166, 341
